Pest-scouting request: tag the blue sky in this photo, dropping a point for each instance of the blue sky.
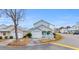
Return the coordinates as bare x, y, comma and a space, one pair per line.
57, 17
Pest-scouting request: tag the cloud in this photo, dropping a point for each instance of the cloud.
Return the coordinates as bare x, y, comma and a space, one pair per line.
4, 18
69, 17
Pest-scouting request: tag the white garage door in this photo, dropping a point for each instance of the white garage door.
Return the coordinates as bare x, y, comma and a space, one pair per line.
36, 34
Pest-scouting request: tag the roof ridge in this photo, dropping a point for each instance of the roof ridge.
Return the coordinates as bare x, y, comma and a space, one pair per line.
40, 21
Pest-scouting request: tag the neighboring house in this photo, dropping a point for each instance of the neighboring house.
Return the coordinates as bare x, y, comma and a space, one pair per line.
74, 29
64, 30
41, 30
3, 26
9, 32
71, 30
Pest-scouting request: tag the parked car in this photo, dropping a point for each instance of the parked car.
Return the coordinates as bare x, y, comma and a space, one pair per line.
76, 33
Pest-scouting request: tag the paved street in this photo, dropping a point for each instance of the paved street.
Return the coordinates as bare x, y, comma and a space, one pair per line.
70, 39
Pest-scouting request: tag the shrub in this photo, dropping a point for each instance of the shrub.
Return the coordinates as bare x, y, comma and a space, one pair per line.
29, 35
6, 37
11, 37
24, 36
0, 37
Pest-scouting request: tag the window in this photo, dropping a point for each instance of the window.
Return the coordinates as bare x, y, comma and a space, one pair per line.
48, 32
11, 37
44, 33
4, 33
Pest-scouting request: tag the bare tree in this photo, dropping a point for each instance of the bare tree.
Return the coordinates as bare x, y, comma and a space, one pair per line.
15, 15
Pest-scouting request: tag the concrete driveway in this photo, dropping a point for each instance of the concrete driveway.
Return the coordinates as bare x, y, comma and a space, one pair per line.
31, 47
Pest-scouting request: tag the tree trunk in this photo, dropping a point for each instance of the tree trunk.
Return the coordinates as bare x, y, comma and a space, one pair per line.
16, 32
15, 24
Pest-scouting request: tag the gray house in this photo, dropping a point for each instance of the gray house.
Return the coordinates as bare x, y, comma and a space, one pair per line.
42, 29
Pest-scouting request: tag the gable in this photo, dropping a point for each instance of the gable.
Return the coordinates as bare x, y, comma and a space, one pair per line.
41, 22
